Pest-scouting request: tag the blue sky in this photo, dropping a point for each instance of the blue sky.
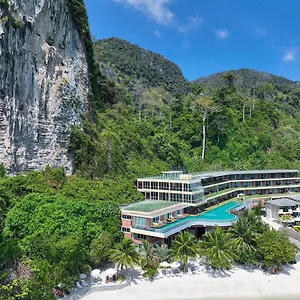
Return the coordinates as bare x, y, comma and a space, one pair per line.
207, 36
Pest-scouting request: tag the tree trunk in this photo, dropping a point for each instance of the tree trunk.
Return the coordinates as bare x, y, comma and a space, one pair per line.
140, 111
203, 134
244, 107
170, 122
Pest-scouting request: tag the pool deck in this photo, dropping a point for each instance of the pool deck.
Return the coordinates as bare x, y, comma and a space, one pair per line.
219, 216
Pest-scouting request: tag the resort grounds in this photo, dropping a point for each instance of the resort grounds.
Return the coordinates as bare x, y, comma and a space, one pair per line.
238, 283
246, 283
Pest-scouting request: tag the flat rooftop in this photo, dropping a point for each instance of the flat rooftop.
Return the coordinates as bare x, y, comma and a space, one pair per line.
149, 205
284, 202
206, 174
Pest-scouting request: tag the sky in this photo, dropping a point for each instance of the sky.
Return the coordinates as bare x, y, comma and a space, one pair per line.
207, 36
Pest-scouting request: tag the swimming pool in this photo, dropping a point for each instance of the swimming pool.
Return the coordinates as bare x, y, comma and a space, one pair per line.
218, 216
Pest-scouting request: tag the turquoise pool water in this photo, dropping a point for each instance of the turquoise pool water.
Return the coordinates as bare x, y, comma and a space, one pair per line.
219, 214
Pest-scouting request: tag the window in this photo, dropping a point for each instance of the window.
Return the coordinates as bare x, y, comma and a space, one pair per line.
163, 196
176, 197
154, 185
125, 229
126, 217
140, 184
156, 219
154, 195
140, 221
146, 185
138, 236
164, 186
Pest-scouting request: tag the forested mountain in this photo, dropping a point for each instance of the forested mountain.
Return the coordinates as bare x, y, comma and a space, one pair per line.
282, 92
137, 68
248, 79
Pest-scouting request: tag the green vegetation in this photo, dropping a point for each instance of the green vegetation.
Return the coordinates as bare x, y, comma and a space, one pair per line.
184, 248
138, 69
124, 254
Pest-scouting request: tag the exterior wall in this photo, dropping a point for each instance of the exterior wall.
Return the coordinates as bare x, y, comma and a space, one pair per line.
272, 210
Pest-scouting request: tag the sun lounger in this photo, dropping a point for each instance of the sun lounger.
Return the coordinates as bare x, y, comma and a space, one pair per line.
180, 274
78, 285
168, 274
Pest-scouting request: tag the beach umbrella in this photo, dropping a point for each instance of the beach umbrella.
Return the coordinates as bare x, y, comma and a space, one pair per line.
175, 265
111, 272
82, 276
95, 273
164, 264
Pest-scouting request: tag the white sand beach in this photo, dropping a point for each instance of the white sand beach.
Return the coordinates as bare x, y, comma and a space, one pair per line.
237, 283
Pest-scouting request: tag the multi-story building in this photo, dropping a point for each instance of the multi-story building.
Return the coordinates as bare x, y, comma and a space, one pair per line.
175, 201
286, 210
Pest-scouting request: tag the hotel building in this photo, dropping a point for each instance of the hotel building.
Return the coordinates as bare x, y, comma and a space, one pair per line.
175, 201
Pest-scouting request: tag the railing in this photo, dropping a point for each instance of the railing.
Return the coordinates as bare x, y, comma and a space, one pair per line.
192, 221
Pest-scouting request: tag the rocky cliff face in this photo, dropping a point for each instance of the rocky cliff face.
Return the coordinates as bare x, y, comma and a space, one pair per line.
43, 83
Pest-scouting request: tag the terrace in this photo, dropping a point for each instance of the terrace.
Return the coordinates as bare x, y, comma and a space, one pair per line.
220, 216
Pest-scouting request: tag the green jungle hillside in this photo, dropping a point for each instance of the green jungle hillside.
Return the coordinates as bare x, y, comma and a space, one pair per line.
138, 69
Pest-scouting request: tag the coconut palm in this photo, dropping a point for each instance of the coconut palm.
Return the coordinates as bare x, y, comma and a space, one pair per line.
244, 238
124, 254
148, 258
217, 249
184, 247
162, 253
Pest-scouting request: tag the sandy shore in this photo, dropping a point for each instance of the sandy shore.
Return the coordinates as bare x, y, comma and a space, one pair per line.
237, 283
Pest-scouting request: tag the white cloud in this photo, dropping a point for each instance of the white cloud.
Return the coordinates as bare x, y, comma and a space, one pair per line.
290, 55
157, 33
193, 22
221, 34
154, 9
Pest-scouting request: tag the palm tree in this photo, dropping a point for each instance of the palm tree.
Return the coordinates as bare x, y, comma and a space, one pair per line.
148, 259
184, 247
124, 254
162, 253
217, 249
255, 220
244, 238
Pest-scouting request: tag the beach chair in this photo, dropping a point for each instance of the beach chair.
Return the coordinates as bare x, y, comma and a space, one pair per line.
168, 274
78, 285
190, 271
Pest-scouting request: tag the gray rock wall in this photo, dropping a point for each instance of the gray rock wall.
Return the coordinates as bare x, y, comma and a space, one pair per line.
43, 84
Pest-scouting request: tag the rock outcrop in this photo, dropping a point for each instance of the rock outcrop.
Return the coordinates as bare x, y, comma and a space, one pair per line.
43, 83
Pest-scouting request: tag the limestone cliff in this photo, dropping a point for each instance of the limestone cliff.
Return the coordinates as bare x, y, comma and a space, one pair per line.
43, 83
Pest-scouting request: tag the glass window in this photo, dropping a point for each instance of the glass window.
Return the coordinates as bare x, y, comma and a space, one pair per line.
126, 217
146, 185
125, 229
154, 185
140, 221
154, 195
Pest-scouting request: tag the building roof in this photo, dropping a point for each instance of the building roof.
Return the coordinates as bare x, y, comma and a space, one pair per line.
149, 205
153, 208
205, 175
283, 202
296, 198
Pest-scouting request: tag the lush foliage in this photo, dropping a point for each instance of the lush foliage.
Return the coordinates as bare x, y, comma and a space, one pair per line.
184, 247
124, 254
217, 249
54, 227
276, 248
